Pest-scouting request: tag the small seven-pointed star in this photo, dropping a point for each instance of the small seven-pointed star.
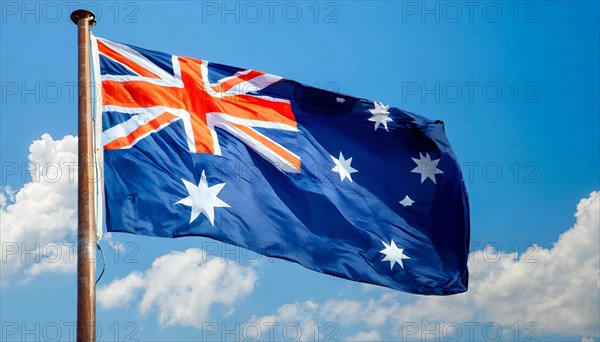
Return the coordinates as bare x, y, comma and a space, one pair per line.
380, 115
426, 167
342, 166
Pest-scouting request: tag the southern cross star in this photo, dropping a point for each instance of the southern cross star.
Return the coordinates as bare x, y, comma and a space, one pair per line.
393, 254
426, 167
342, 166
407, 201
380, 115
203, 199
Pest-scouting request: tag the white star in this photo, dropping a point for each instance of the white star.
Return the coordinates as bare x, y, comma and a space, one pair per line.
426, 167
407, 201
203, 199
342, 166
380, 115
340, 99
393, 254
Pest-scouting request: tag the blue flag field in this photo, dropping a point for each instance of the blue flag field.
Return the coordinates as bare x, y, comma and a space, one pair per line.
338, 184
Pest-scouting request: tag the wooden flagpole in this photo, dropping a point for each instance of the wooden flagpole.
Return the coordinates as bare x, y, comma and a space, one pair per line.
86, 230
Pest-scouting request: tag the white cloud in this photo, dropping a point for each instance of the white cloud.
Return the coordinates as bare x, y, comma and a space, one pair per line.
116, 245
7, 196
556, 289
182, 287
55, 258
364, 336
296, 321
42, 213
297, 311
374, 313
121, 291
10, 193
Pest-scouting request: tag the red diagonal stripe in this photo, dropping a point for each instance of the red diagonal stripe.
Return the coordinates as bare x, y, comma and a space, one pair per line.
255, 108
271, 145
225, 86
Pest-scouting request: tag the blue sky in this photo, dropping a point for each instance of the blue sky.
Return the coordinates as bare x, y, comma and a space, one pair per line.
516, 83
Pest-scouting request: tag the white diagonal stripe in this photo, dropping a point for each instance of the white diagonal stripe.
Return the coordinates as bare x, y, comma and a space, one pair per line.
257, 123
254, 84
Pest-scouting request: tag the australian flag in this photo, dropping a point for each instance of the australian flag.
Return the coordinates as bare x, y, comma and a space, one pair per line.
341, 185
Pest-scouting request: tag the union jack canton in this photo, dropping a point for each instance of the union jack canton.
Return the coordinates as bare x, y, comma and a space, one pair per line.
157, 95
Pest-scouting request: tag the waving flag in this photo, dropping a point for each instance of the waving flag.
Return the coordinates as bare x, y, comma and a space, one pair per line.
341, 185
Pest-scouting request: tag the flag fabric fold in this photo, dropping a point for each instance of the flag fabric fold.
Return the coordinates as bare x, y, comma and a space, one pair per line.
341, 185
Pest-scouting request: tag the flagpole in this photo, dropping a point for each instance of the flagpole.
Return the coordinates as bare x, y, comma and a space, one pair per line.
86, 230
